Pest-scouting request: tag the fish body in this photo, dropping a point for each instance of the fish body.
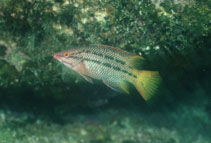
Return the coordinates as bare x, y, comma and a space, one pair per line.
113, 66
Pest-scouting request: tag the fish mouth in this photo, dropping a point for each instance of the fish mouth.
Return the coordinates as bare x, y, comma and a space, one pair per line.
57, 56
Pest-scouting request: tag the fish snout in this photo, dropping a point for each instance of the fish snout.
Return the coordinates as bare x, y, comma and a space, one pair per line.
57, 56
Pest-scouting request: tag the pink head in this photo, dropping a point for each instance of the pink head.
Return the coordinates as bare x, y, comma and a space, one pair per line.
65, 58
61, 55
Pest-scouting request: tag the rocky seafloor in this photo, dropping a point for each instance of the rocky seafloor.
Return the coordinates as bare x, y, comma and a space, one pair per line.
118, 120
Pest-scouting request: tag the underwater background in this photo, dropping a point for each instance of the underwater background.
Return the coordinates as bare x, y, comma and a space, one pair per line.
42, 101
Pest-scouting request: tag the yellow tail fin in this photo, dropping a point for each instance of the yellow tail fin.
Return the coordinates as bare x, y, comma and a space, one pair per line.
147, 83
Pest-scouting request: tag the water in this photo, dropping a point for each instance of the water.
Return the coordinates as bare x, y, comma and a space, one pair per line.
42, 101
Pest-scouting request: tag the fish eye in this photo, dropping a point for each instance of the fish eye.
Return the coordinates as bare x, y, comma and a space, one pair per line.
66, 54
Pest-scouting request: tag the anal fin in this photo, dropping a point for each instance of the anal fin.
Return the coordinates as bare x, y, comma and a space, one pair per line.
125, 86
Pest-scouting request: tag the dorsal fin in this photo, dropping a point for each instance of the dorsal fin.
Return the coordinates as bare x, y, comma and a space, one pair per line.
136, 61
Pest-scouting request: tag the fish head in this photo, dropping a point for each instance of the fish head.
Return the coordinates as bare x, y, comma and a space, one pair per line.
66, 58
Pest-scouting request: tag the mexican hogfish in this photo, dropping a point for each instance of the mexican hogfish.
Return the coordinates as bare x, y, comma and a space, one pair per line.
115, 67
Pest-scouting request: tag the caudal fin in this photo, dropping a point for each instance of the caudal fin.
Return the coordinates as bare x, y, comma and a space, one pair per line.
148, 83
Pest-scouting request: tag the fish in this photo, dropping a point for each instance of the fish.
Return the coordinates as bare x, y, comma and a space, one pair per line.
116, 68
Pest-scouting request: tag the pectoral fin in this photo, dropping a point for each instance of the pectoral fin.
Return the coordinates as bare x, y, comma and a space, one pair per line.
84, 72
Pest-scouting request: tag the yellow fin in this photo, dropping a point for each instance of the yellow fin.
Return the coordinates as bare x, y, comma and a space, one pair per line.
125, 86
136, 61
147, 83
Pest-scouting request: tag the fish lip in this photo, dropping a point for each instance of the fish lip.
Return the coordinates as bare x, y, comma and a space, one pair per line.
57, 56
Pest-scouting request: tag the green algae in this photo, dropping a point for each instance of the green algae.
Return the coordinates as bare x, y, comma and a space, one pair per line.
6, 136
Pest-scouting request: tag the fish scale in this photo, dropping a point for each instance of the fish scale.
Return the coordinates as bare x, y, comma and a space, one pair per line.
103, 71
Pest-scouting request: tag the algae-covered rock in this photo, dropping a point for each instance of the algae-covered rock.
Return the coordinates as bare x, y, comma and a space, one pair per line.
8, 74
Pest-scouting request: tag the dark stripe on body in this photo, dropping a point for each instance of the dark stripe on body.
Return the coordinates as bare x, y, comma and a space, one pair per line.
107, 65
109, 57
98, 54
104, 64
117, 68
77, 52
120, 61
105, 56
